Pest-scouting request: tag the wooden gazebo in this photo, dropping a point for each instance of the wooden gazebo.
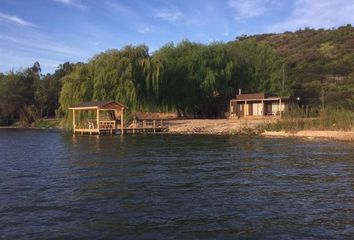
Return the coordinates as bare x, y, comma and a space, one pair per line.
109, 117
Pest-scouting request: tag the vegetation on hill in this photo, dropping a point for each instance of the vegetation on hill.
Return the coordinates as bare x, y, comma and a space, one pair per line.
191, 78
318, 64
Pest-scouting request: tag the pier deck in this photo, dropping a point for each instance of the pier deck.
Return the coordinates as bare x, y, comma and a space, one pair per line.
135, 127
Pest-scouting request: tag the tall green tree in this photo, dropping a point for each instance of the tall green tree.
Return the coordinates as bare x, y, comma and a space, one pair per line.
257, 68
17, 96
195, 75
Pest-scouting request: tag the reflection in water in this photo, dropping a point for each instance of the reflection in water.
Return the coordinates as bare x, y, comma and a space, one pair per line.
163, 186
93, 141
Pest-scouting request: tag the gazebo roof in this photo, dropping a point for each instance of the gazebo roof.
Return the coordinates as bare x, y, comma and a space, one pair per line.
98, 105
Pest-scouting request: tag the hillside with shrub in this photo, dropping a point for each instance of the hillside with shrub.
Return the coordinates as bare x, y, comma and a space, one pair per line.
318, 63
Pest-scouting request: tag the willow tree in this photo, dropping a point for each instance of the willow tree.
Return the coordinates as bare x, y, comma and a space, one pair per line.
77, 87
215, 71
129, 76
257, 68
194, 76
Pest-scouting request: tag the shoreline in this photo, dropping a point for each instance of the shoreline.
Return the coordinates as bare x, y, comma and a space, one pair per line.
313, 134
230, 127
34, 128
249, 127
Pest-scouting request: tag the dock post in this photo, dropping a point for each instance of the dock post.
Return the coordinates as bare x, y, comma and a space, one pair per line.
263, 110
122, 121
154, 126
74, 123
134, 126
98, 119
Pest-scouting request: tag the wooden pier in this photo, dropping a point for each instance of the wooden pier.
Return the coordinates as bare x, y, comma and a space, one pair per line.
145, 126
107, 117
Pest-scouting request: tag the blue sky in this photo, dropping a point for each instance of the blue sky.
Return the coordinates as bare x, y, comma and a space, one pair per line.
56, 31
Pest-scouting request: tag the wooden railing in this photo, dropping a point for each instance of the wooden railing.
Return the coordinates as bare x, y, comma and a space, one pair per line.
108, 124
146, 124
87, 124
92, 124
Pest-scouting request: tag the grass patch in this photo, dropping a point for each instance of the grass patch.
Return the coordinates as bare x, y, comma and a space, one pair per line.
46, 123
297, 119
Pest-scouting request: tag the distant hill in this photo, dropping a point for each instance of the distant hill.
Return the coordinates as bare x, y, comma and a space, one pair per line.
318, 62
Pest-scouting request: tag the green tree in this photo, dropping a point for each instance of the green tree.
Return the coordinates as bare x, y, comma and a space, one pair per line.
257, 68
17, 96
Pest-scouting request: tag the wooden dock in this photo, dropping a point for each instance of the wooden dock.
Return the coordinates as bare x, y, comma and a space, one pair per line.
153, 126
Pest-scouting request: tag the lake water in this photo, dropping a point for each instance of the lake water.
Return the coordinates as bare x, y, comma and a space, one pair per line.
58, 186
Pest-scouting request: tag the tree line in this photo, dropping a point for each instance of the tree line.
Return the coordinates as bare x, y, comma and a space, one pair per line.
26, 95
192, 79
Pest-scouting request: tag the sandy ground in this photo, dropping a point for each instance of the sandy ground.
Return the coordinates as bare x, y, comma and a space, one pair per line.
210, 126
335, 135
234, 126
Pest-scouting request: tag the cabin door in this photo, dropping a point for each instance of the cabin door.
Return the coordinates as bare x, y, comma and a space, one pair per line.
233, 109
257, 109
240, 110
269, 109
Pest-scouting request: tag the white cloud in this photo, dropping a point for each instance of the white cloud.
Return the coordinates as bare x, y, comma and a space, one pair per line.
45, 45
145, 30
118, 7
174, 16
15, 20
245, 9
169, 15
26, 60
23, 49
317, 14
73, 3
226, 31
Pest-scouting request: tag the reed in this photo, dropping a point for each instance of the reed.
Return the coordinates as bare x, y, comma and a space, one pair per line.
298, 118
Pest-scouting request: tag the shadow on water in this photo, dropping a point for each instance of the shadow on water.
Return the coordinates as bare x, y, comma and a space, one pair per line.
170, 186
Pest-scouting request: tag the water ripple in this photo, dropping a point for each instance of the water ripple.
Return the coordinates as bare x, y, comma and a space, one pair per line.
55, 185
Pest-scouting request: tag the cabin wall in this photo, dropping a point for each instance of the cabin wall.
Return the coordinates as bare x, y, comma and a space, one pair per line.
256, 108
273, 108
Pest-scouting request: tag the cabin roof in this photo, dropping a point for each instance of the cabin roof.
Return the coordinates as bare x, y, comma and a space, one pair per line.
110, 104
258, 96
